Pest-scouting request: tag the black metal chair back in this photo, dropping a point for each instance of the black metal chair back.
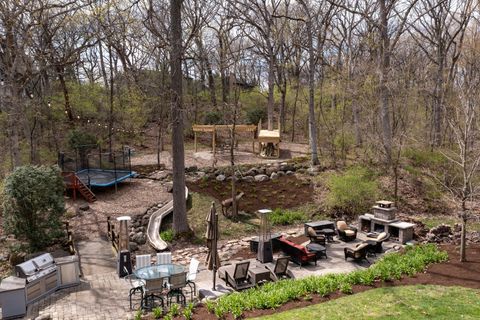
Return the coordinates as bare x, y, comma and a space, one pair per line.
241, 271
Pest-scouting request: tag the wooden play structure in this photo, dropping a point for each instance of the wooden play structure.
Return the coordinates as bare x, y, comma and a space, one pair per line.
214, 129
268, 140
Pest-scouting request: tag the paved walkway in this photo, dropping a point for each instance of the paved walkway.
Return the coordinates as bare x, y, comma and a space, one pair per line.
101, 294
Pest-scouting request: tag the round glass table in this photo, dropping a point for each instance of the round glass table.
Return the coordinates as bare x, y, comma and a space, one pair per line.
158, 271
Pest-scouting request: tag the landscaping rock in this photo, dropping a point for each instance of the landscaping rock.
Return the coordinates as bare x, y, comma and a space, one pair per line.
201, 174
140, 238
270, 170
274, 176
280, 173
252, 172
84, 207
220, 177
261, 177
43, 317
289, 173
133, 246
286, 167
191, 169
248, 178
169, 186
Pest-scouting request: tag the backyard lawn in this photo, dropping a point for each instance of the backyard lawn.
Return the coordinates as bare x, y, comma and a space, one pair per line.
402, 302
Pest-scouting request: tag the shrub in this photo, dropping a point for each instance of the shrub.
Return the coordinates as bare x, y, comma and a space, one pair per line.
167, 235
255, 114
274, 294
213, 117
286, 217
424, 158
351, 192
157, 312
33, 204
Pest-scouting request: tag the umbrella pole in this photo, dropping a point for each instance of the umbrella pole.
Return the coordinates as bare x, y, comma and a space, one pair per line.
215, 238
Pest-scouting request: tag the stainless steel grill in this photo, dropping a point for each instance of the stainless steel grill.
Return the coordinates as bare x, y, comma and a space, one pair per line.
41, 275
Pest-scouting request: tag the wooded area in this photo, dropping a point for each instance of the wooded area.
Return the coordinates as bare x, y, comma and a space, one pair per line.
355, 77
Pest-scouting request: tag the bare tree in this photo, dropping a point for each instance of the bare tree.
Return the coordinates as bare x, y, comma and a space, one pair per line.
180, 222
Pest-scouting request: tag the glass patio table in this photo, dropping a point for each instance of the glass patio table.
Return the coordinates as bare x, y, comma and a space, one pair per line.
158, 271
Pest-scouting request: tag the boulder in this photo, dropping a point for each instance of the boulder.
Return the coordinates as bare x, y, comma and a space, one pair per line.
261, 177
220, 178
201, 174
252, 172
84, 207
289, 173
248, 179
191, 169
132, 246
280, 173
274, 176
140, 238
270, 170
286, 167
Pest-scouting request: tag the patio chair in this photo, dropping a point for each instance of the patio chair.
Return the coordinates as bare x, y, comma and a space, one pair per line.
237, 276
164, 258
192, 275
135, 284
142, 260
358, 253
376, 244
345, 232
175, 285
153, 290
280, 271
316, 236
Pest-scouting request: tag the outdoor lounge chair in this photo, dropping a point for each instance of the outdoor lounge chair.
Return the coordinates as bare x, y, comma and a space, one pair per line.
358, 253
376, 244
280, 271
237, 276
345, 232
316, 236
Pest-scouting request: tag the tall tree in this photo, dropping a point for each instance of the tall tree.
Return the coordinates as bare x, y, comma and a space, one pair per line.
180, 222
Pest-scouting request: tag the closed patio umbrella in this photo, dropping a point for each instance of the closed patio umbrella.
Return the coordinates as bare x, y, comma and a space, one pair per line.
213, 260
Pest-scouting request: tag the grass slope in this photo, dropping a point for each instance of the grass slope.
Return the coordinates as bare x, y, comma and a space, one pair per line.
404, 302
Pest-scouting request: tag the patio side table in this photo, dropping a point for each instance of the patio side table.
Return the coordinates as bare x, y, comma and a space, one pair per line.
319, 250
259, 274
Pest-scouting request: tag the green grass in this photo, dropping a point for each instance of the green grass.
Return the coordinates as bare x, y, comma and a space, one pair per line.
403, 302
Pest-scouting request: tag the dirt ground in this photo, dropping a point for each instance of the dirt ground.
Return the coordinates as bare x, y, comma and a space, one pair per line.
204, 157
133, 197
450, 273
284, 192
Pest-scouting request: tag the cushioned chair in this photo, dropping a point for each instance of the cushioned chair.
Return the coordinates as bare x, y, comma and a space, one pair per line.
316, 236
237, 277
376, 244
280, 271
358, 253
345, 232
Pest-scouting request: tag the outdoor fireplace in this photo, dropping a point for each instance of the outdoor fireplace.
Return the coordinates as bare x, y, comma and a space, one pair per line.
384, 219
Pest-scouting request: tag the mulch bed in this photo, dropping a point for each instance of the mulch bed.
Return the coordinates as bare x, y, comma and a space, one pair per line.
284, 192
450, 273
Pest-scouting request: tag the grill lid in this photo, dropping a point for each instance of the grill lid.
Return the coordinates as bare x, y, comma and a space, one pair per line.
25, 269
43, 261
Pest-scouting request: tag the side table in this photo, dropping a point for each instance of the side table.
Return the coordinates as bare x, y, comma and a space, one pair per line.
259, 274
319, 250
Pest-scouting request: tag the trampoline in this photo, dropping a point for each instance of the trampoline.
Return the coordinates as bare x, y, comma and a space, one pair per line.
103, 177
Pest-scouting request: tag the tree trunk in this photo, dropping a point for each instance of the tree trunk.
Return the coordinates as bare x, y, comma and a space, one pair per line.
110, 112
463, 255
271, 87
66, 95
180, 222
312, 125
384, 67
233, 104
